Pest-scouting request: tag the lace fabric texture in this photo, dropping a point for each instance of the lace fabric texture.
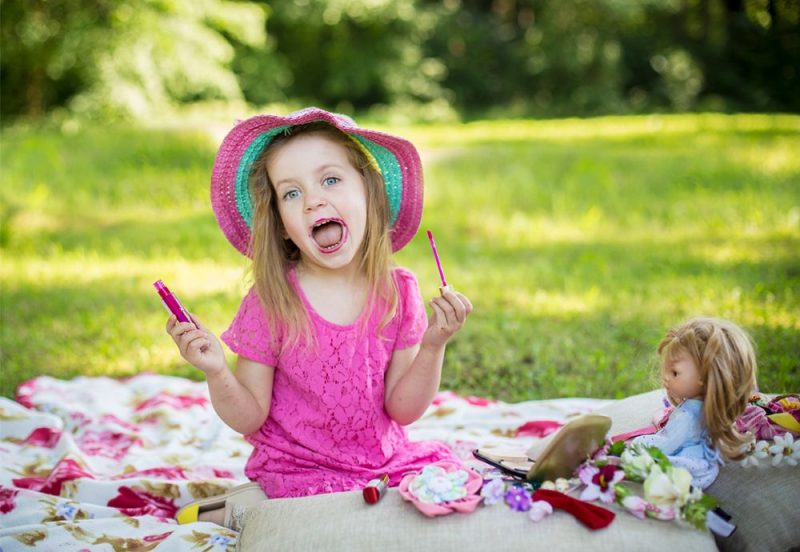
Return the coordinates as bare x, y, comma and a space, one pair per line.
328, 430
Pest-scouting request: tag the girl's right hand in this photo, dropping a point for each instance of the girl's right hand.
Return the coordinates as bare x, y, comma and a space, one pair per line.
197, 345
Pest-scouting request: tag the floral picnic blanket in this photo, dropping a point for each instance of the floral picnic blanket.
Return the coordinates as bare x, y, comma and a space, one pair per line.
104, 464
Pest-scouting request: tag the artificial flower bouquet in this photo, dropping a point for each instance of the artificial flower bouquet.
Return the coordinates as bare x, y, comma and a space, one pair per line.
667, 490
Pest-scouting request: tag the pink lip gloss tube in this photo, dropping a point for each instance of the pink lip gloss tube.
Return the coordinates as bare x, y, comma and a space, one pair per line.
171, 302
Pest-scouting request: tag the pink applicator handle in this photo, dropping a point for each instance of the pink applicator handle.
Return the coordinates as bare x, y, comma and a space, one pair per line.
438, 262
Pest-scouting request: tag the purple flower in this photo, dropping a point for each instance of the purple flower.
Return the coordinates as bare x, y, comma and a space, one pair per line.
493, 491
518, 499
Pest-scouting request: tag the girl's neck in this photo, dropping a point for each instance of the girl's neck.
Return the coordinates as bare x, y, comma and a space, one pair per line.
339, 296
349, 275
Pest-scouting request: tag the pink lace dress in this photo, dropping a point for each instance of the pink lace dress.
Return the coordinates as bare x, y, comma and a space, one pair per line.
328, 430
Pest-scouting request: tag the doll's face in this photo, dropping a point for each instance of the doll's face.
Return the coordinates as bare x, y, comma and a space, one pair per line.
681, 378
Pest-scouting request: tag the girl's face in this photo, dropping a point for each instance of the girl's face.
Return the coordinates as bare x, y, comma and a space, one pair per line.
681, 378
321, 199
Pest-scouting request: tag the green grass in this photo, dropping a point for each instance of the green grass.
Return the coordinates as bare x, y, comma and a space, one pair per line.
579, 242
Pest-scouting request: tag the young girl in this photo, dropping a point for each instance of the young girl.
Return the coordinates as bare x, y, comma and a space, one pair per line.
708, 373
335, 353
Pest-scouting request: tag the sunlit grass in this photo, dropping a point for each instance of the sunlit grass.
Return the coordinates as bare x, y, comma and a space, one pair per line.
578, 241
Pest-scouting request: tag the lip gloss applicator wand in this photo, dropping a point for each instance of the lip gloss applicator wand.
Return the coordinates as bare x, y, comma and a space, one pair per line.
444, 287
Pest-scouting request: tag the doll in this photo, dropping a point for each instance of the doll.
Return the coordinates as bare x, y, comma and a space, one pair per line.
708, 374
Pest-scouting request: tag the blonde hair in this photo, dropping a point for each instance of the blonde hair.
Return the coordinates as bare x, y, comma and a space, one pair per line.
724, 355
273, 254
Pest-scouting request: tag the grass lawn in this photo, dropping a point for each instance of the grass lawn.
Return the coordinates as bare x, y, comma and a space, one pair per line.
579, 242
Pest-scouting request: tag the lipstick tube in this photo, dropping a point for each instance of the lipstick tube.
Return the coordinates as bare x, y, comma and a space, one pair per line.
375, 489
171, 302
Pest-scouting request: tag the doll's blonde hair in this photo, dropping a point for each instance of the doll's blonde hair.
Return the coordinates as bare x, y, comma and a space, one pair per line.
273, 253
724, 355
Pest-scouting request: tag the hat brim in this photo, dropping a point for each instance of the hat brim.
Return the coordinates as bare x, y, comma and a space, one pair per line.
396, 158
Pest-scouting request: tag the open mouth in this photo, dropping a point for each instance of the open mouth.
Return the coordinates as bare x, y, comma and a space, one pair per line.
329, 234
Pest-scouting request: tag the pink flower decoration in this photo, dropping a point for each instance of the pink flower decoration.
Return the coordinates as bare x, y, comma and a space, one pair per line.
466, 504
600, 482
754, 419
67, 469
636, 505
7, 500
656, 512
46, 437
25, 392
538, 428
166, 472
133, 502
111, 444
479, 401
178, 402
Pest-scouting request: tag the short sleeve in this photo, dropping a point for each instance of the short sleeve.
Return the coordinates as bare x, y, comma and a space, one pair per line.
673, 436
411, 310
249, 334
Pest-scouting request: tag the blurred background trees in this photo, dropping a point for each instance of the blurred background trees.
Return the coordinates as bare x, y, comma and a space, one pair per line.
431, 58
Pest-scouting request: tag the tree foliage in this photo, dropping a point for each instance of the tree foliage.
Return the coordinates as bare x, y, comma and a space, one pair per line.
512, 57
129, 57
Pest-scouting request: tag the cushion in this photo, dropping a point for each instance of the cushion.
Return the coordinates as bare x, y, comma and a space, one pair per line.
761, 499
343, 521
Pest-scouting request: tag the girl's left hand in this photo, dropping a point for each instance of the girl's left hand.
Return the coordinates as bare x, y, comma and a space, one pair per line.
450, 311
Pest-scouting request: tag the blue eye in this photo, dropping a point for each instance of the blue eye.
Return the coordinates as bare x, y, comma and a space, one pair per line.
330, 181
291, 194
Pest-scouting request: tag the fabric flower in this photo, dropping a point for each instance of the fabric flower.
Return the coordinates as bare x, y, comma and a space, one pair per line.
754, 420
668, 490
66, 510
785, 403
664, 513
600, 482
636, 505
493, 491
754, 451
435, 485
562, 485
540, 509
444, 485
518, 499
785, 448
7, 499
636, 462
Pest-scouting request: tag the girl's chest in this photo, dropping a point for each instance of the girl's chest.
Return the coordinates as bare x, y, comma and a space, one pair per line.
342, 306
341, 360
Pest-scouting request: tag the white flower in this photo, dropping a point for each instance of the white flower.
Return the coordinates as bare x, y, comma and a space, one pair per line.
548, 485
668, 490
636, 460
754, 451
562, 485
539, 510
785, 448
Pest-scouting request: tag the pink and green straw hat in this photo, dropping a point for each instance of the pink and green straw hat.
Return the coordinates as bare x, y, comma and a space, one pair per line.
395, 158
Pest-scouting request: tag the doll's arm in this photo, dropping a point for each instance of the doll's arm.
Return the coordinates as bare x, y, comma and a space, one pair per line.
673, 435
